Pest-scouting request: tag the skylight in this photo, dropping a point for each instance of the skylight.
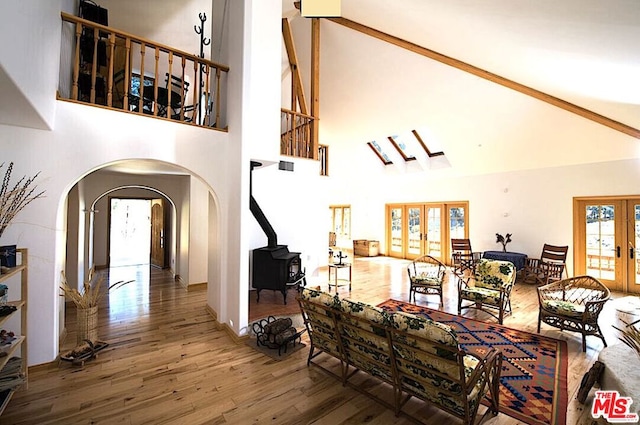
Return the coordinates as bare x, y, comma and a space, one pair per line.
375, 147
400, 143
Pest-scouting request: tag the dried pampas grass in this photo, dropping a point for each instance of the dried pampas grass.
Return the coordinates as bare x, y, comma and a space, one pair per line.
631, 335
14, 198
92, 292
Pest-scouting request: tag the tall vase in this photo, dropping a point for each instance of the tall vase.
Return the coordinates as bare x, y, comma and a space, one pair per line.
87, 325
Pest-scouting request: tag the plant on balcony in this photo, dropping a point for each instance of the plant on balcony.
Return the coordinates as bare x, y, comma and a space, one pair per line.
13, 198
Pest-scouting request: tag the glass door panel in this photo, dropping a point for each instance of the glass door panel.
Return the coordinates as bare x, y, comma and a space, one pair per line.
632, 248
414, 227
395, 247
457, 224
601, 242
434, 232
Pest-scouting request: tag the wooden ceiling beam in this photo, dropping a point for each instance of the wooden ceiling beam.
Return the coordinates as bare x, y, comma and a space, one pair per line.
315, 85
297, 91
463, 66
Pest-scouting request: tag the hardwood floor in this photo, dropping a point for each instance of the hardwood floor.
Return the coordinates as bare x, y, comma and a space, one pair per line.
168, 363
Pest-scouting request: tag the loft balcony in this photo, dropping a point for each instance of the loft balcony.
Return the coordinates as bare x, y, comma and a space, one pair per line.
105, 67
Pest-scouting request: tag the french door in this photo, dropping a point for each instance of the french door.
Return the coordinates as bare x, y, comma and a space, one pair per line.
414, 230
607, 232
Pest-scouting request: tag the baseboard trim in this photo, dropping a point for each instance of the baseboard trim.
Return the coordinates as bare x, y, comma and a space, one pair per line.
226, 328
197, 286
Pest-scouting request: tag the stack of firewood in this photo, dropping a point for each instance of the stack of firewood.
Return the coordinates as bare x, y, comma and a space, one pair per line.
274, 333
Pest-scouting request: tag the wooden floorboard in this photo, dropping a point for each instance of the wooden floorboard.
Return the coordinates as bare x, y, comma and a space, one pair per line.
167, 362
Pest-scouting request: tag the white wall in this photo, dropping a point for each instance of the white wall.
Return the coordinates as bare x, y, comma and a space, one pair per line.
81, 144
198, 266
30, 58
164, 21
538, 204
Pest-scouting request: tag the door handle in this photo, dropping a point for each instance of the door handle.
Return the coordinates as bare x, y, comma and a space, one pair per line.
618, 251
631, 252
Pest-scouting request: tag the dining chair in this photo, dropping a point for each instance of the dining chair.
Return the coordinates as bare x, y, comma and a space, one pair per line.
179, 89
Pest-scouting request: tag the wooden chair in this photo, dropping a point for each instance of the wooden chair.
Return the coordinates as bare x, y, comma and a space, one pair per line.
493, 281
462, 256
573, 304
548, 268
426, 276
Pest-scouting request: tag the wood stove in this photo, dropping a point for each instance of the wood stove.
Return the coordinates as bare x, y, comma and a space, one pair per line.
274, 266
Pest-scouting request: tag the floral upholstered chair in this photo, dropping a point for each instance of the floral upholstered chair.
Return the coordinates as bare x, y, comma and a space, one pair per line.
431, 366
573, 304
426, 276
489, 289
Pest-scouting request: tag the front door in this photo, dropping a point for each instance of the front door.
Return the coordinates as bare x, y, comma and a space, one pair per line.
158, 233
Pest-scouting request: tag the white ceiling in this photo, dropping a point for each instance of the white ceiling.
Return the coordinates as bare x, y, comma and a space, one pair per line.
585, 52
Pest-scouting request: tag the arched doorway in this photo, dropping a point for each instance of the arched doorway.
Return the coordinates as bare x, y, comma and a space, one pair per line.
180, 191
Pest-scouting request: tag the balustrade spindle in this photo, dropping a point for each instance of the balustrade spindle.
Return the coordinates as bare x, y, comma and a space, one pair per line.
196, 101
76, 63
141, 86
155, 85
112, 53
127, 73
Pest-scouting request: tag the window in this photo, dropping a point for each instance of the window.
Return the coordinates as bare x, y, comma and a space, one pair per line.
424, 145
323, 157
340, 216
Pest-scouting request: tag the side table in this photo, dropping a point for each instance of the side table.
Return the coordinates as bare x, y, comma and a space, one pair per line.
339, 282
518, 259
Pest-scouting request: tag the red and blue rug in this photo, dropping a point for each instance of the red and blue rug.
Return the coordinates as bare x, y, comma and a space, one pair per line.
533, 383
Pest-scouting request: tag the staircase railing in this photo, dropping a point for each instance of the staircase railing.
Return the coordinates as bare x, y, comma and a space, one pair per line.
295, 139
110, 68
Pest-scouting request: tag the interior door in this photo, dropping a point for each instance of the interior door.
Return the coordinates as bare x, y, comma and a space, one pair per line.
158, 233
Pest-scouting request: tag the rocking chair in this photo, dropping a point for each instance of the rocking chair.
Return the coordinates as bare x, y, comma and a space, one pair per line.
548, 268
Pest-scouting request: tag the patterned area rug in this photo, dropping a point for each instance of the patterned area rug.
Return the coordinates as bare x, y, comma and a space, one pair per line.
534, 367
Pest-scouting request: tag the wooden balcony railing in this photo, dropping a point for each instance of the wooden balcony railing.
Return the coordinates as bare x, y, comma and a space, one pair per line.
111, 68
295, 139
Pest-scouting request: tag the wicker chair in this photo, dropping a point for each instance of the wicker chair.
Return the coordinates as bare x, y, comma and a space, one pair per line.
573, 304
462, 256
493, 281
548, 268
426, 275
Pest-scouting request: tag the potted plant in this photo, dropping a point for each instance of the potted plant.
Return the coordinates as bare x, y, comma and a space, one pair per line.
504, 240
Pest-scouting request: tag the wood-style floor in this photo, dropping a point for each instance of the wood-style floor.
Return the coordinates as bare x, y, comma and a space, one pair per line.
167, 363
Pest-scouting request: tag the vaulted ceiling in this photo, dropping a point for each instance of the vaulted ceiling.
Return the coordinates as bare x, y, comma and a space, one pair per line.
579, 52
